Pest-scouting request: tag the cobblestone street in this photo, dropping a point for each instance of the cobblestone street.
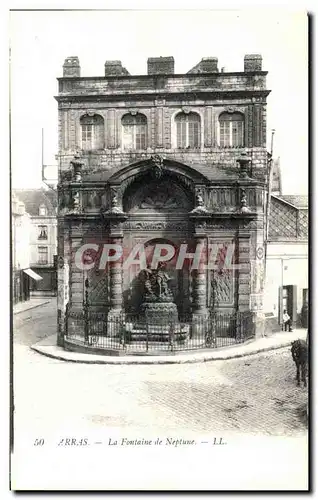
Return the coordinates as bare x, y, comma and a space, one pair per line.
248, 402
254, 394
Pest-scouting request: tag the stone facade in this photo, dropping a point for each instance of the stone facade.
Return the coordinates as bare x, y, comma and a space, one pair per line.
20, 250
178, 180
41, 205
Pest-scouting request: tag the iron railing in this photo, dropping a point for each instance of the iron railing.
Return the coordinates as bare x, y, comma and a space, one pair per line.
133, 334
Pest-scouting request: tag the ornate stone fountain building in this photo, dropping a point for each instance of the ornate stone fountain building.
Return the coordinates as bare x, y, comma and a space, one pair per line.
165, 158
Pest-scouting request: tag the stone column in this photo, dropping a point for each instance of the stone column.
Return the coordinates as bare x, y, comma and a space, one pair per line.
199, 286
244, 279
115, 217
62, 281
199, 292
116, 280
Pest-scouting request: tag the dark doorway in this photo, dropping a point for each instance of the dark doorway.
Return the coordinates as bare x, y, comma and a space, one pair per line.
288, 302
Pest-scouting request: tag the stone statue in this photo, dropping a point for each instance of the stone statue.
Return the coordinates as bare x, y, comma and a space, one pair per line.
155, 283
199, 204
244, 208
77, 165
114, 204
199, 200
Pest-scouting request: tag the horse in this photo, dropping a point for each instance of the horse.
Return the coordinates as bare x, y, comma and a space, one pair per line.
299, 351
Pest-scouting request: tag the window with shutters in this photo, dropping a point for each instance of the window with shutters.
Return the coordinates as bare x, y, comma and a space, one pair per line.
42, 232
92, 132
231, 130
188, 130
43, 253
134, 131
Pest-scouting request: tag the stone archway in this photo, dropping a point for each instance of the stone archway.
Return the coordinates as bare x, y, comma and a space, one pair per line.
157, 211
152, 196
152, 199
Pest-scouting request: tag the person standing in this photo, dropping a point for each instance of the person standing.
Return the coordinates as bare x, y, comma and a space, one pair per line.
287, 321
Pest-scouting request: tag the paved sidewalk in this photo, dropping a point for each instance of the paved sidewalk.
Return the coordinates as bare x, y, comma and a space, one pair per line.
30, 304
48, 347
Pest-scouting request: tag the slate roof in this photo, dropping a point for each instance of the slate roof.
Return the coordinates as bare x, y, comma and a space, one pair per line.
33, 198
298, 200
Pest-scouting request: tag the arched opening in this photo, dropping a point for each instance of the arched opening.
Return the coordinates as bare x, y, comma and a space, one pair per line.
148, 195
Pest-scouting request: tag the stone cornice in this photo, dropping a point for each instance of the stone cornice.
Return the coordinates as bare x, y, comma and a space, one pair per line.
216, 183
153, 93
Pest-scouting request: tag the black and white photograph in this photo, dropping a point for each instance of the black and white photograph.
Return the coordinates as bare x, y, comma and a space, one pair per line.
160, 294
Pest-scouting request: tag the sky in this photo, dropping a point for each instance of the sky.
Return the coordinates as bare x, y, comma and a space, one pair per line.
40, 42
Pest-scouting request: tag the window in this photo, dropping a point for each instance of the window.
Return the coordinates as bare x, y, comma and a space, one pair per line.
42, 210
92, 132
43, 253
42, 232
231, 130
188, 130
134, 131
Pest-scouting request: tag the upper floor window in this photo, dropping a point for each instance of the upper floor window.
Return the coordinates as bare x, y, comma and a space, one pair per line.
188, 130
231, 129
134, 131
42, 210
43, 253
42, 234
92, 132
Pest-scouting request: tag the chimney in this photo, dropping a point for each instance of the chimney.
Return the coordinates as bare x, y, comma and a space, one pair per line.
209, 65
115, 68
71, 67
252, 62
160, 65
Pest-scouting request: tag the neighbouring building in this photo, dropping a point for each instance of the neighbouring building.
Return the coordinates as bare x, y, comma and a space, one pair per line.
41, 205
163, 157
22, 275
287, 261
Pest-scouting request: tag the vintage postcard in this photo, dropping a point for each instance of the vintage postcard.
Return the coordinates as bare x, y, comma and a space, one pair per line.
159, 226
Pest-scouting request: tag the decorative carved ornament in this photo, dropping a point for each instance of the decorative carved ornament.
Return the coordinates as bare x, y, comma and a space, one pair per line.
260, 252
60, 262
222, 288
185, 109
156, 226
157, 169
156, 197
256, 302
224, 224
